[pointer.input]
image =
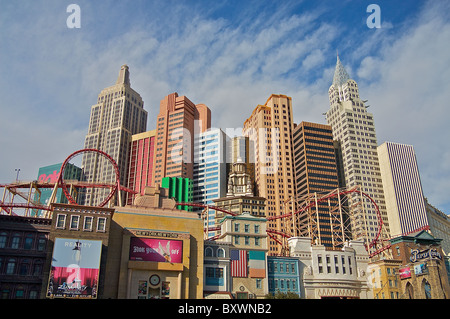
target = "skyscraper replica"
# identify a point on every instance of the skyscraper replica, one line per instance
(177, 123)
(353, 127)
(316, 175)
(140, 172)
(402, 188)
(270, 128)
(118, 114)
(209, 182)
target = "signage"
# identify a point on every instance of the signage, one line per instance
(420, 269)
(405, 273)
(417, 255)
(155, 249)
(75, 268)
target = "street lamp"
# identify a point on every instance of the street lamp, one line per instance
(17, 176)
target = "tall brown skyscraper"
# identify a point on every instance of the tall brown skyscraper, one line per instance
(270, 129)
(177, 123)
(316, 175)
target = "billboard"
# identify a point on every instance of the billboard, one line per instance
(420, 269)
(75, 268)
(405, 273)
(155, 249)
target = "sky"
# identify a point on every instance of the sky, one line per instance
(229, 55)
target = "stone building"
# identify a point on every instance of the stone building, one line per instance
(422, 272)
(155, 250)
(331, 273)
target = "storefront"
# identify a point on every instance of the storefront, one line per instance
(155, 265)
(155, 251)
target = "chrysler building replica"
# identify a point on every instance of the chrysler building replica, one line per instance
(353, 127)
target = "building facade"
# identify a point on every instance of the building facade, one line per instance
(142, 153)
(269, 129)
(209, 175)
(118, 114)
(77, 252)
(353, 127)
(240, 197)
(316, 175)
(283, 275)
(23, 252)
(50, 174)
(439, 224)
(248, 254)
(217, 270)
(384, 278)
(155, 250)
(178, 121)
(403, 194)
(422, 271)
(179, 189)
(331, 273)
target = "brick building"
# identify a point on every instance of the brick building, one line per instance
(422, 272)
(23, 243)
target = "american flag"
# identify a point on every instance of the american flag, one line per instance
(238, 263)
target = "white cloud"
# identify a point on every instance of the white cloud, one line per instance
(56, 74)
(409, 98)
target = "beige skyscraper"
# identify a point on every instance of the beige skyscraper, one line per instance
(118, 114)
(270, 128)
(353, 127)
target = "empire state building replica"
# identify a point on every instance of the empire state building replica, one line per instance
(118, 114)
(353, 127)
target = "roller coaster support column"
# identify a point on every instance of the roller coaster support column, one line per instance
(318, 222)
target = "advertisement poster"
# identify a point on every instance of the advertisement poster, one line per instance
(405, 273)
(420, 269)
(75, 268)
(155, 249)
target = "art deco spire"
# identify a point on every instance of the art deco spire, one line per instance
(124, 75)
(340, 75)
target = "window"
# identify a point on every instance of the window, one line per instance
(28, 241)
(236, 227)
(220, 252)
(41, 243)
(74, 221)
(208, 252)
(61, 221)
(24, 267)
(11, 266)
(15, 241)
(246, 228)
(256, 229)
(3, 238)
(101, 224)
(88, 223)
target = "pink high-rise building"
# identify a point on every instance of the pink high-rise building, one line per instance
(141, 163)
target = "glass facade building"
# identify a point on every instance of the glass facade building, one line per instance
(209, 180)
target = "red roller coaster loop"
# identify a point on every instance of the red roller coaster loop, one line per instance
(114, 187)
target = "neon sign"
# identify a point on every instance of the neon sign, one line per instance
(428, 253)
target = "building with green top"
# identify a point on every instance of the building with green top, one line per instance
(180, 189)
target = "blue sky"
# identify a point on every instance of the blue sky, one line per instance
(230, 55)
